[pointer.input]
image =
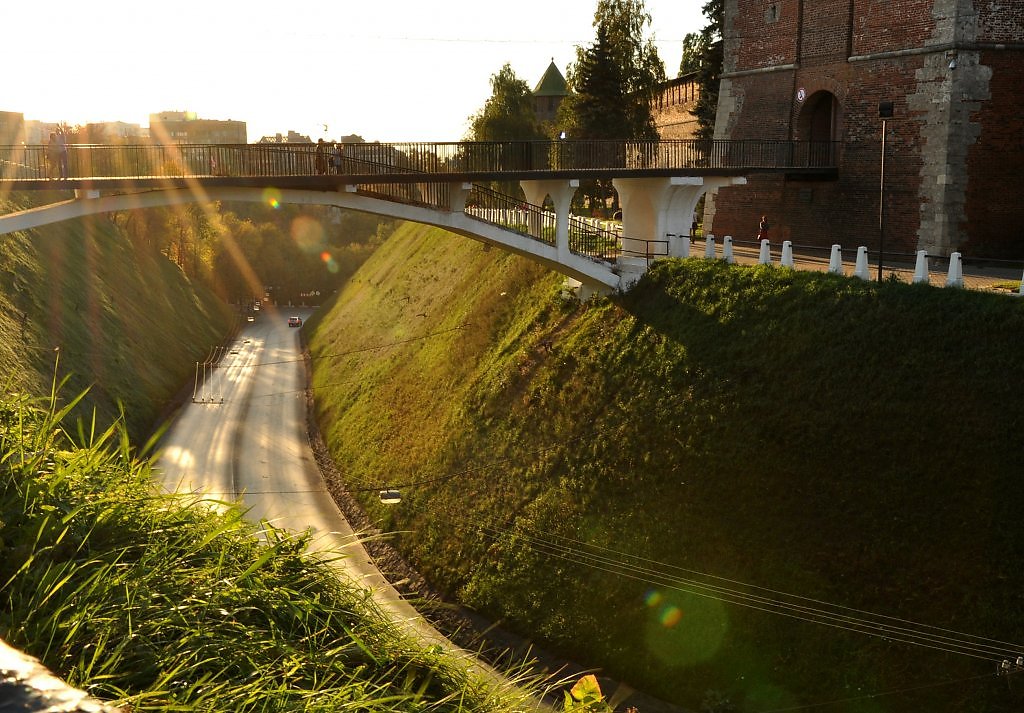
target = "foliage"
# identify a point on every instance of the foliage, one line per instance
(712, 57)
(507, 115)
(693, 53)
(136, 597)
(614, 81)
(612, 85)
(809, 433)
(118, 315)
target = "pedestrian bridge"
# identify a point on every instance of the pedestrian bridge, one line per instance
(442, 184)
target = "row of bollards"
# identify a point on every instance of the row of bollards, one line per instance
(954, 277)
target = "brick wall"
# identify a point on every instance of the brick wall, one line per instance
(953, 147)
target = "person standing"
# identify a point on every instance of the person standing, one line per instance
(762, 229)
(321, 158)
(52, 156)
(338, 151)
(62, 152)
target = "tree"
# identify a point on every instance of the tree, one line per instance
(693, 53)
(508, 114)
(710, 70)
(616, 78)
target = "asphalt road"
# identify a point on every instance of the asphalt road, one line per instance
(244, 439)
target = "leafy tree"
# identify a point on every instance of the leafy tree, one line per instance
(710, 69)
(614, 81)
(612, 84)
(508, 114)
(693, 53)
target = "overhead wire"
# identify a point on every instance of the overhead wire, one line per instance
(964, 644)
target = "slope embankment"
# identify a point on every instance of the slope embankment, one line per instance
(79, 300)
(732, 486)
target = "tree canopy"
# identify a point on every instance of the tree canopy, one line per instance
(614, 80)
(508, 114)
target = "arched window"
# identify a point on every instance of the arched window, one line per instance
(819, 122)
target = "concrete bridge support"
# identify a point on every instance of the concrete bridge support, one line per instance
(657, 213)
(561, 192)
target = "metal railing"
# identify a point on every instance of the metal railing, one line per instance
(511, 213)
(34, 162)
(593, 241)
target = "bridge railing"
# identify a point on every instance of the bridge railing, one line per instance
(149, 160)
(511, 213)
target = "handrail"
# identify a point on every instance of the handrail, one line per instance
(437, 159)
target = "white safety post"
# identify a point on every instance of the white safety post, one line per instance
(1021, 292)
(787, 254)
(765, 258)
(921, 268)
(861, 269)
(709, 247)
(727, 250)
(684, 246)
(955, 278)
(835, 260)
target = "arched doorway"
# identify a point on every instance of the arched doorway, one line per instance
(819, 121)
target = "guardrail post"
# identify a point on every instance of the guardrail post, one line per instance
(861, 269)
(955, 278)
(727, 250)
(787, 254)
(765, 256)
(709, 247)
(835, 260)
(921, 267)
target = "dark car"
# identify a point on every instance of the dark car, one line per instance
(295, 321)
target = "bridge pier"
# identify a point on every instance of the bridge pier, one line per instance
(561, 192)
(658, 212)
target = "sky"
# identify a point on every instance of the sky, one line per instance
(386, 70)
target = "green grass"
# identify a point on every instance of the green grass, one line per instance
(127, 322)
(836, 439)
(159, 603)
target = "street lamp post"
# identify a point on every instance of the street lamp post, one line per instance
(885, 113)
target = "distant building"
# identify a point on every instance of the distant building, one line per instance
(184, 127)
(292, 137)
(549, 93)
(102, 132)
(673, 108)
(12, 128)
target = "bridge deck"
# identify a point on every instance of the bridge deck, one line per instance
(111, 167)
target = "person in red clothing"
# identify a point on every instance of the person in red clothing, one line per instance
(762, 229)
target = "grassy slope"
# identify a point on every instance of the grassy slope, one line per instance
(137, 598)
(128, 323)
(803, 432)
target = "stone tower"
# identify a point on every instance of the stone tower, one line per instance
(952, 72)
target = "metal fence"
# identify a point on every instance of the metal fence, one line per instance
(34, 162)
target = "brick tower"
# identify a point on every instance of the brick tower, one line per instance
(952, 72)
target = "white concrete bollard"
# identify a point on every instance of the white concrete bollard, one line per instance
(709, 247)
(835, 260)
(861, 269)
(921, 268)
(684, 246)
(1022, 285)
(765, 258)
(727, 250)
(955, 278)
(787, 253)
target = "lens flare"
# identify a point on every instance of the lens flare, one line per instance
(671, 616)
(329, 261)
(272, 197)
(652, 598)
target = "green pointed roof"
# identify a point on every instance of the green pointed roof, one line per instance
(552, 84)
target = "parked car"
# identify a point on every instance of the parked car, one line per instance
(295, 321)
